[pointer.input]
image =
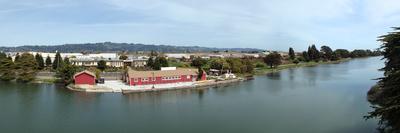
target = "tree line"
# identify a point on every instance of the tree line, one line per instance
(325, 53)
(25, 66)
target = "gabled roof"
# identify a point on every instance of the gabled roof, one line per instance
(87, 72)
(165, 73)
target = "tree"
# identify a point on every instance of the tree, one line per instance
(16, 58)
(66, 73)
(102, 65)
(342, 53)
(248, 66)
(7, 66)
(57, 61)
(313, 53)
(235, 65)
(39, 61)
(150, 62)
(388, 109)
(358, 53)
(3, 55)
(200, 75)
(160, 62)
(292, 55)
(198, 62)
(296, 61)
(66, 61)
(123, 57)
(26, 67)
(273, 60)
(219, 64)
(153, 53)
(48, 61)
(327, 53)
(306, 56)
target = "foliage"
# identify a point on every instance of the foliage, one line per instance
(305, 56)
(248, 66)
(292, 55)
(150, 62)
(66, 73)
(66, 61)
(158, 63)
(198, 62)
(358, 53)
(200, 75)
(273, 60)
(3, 55)
(123, 57)
(176, 63)
(39, 61)
(102, 65)
(313, 53)
(26, 66)
(260, 64)
(7, 71)
(327, 53)
(57, 61)
(296, 61)
(219, 64)
(48, 61)
(342, 53)
(388, 110)
(16, 58)
(235, 65)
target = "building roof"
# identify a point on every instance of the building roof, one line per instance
(165, 73)
(87, 72)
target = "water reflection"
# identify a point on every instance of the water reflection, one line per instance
(325, 98)
(274, 75)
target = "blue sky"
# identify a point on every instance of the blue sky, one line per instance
(264, 24)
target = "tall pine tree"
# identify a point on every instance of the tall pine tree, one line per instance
(48, 61)
(58, 61)
(292, 55)
(26, 67)
(388, 108)
(7, 71)
(39, 61)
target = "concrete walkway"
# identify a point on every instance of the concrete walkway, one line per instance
(118, 86)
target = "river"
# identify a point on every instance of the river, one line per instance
(327, 98)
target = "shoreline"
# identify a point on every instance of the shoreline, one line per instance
(266, 70)
(198, 84)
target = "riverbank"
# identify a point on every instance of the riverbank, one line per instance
(265, 70)
(119, 87)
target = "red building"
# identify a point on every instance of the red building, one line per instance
(85, 78)
(161, 77)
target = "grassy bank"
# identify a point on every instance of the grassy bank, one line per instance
(264, 70)
(47, 80)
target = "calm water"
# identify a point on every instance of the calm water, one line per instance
(322, 99)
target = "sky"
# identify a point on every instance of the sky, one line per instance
(263, 24)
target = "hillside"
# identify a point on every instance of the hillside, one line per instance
(118, 47)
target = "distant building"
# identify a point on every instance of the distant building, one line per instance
(177, 55)
(89, 62)
(85, 78)
(165, 76)
(136, 61)
(92, 61)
